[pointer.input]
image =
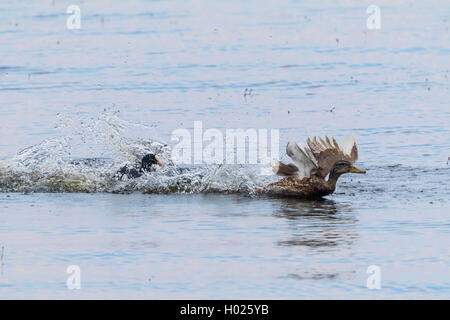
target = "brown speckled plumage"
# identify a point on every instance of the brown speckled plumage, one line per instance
(308, 188)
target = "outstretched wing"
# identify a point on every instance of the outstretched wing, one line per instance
(304, 163)
(327, 152)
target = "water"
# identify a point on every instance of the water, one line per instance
(135, 72)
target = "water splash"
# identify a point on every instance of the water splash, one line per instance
(53, 164)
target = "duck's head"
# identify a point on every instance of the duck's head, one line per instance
(149, 160)
(343, 166)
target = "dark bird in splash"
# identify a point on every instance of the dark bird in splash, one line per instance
(306, 178)
(148, 164)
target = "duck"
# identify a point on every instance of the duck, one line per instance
(148, 164)
(306, 178)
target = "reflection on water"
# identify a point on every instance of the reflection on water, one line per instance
(317, 227)
(291, 208)
(318, 224)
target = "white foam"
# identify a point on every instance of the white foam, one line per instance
(49, 166)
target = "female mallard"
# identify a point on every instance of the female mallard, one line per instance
(306, 178)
